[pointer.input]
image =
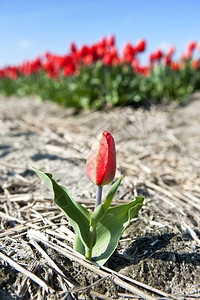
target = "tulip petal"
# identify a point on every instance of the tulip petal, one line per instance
(101, 162)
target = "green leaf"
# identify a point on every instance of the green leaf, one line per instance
(111, 227)
(101, 210)
(45, 177)
(77, 215)
(109, 222)
(78, 245)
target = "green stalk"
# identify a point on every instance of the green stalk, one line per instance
(98, 195)
(88, 253)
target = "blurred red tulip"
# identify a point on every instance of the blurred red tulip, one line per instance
(171, 50)
(103, 42)
(47, 66)
(111, 40)
(128, 52)
(82, 51)
(167, 60)
(87, 59)
(155, 56)
(168, 56)
(191, 46)
(159, 54)
(140, 46)
(195, 64)
(189, 49)
(107, 59)
(68, 69)
(11, 72)
(101, 162)
(100, 51)
(73, 47)
(1, 73)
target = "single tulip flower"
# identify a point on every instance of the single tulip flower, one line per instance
(140, 46)
(101, 162)
(97, 233)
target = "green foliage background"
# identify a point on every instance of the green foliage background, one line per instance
(97, 86)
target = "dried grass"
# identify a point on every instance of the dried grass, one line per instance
(158, 151)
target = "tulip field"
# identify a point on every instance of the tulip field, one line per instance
(98, 75)
(101, 200)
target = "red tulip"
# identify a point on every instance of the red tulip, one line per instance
(1, 73)
(68, 69)
(87, 59)
(107, 59)
(159, 54)
(167, 60)
(73, 47)
(191, 46)
(101, 162)
(155, 56)
(195, 64)
(140, 46)
(111, 40)
(11, 72)
(171, 50)
(100, 51)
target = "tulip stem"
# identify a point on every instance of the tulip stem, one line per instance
(98, 196)
(88, 253)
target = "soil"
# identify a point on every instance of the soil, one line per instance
(158, 152)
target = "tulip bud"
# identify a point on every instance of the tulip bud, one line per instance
(101, 162)
(140, 46)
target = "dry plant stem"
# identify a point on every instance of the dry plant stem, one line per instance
(98, 195)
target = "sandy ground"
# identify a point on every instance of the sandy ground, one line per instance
(158, 152)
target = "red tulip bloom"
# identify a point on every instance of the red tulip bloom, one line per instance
(191, 46)
(155, 56)
(87, 59)
(107, 59)
(140, 46)
(11, 72)
(1, 73)
(128, 52)
(159, 54)
(111, 40)
(189, 49)
(100, 51)
(175, 66)
(167, 60)
(84, 50)
(195, 64)
(171, 50)
(47, 66)
(68, 69)
(103, 42)
(73, 47)
(101, 162)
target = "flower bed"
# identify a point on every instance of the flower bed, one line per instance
(97, 75)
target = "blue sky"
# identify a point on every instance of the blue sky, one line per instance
(28, 28)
